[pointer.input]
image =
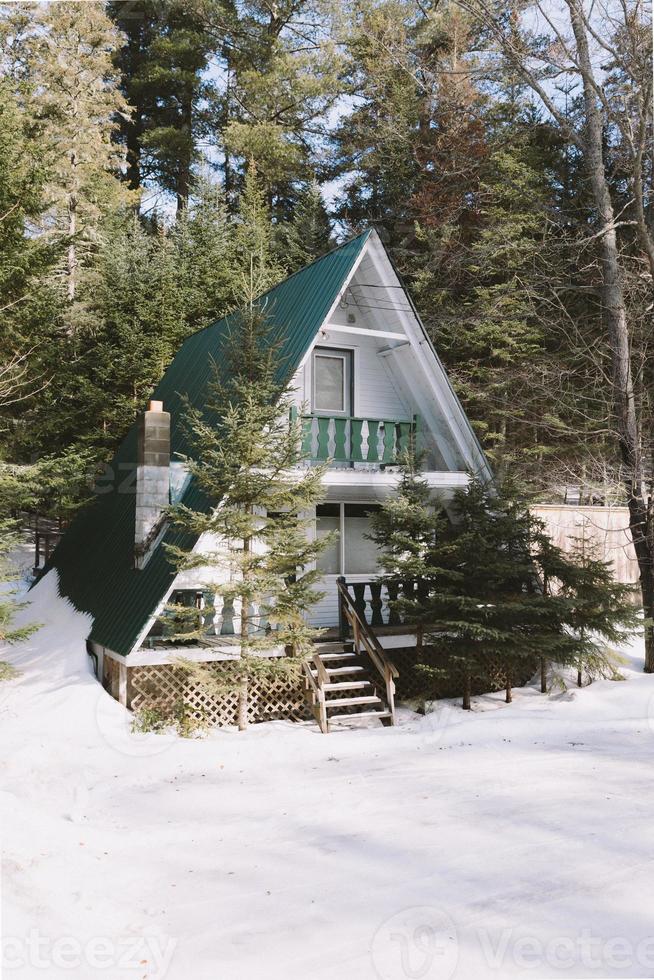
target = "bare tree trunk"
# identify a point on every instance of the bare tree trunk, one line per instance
(466, 691)
(72, 232)
(615, 318)
(644, 234)
(242, 720)
(183, 188)
(243, 693)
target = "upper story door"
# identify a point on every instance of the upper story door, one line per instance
(333, 382)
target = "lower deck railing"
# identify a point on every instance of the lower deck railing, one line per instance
(366, 643)
(375, 601)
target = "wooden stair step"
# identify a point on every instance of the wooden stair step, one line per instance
(359, 714)
(329, 648)
(364, 699)
(337, 656)
(346, 686)
(354, 669)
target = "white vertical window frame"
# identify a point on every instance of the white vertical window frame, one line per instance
(349, 393)
(341, 538)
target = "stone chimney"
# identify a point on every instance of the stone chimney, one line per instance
(152, 479)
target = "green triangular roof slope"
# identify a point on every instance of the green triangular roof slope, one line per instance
(95, 557)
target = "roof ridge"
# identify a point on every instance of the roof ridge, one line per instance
(331, 251)
(297, 272)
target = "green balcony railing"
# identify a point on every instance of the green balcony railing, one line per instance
(356, 440)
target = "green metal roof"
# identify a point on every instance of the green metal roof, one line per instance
(95, 557)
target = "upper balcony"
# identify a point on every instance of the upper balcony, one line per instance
(347, 440)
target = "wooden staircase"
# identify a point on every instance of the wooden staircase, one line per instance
(351, 680)
(341, 686)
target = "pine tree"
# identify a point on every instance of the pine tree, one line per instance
(278, 95)
(163, 68)
(375, 144)
(308, 235)
(497, 592)
(244, 451)
(405, 530)
(77, 101)
(26, 261)
(254, 244)
(600, 611)
(149, 287)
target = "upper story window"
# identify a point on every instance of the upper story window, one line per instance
(332, 381)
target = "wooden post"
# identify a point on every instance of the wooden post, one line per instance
(509, 692)
(323, 720)
(390, 692)
(543, 676)
(122, 684)
(342, 619)
(414, 434)
(466, 691)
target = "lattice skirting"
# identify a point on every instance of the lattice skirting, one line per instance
(166, 687)
(412, 683)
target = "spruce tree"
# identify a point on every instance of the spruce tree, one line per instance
(254, 246)
(163, 75)
(599, 610)
(480, 607)
(405, 530)
(494, 592)
(308, 235)
(246, 442)
(77, 103)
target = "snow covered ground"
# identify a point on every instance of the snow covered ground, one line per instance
(515, 840)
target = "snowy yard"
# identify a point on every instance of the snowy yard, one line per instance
(512, 841)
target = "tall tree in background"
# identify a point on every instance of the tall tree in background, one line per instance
(570, 50)
(309, 234)
(163, 68)
(76, 100)
(25, 261)
(375, 144)
(254, 243)
(283, 70)
(148, 289)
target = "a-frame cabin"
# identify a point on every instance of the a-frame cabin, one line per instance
(366, 376)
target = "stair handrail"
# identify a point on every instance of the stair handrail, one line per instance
(364, 637)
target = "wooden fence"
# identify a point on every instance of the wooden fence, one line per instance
(606, 529)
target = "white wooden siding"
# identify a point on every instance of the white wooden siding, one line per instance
(376, 392)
